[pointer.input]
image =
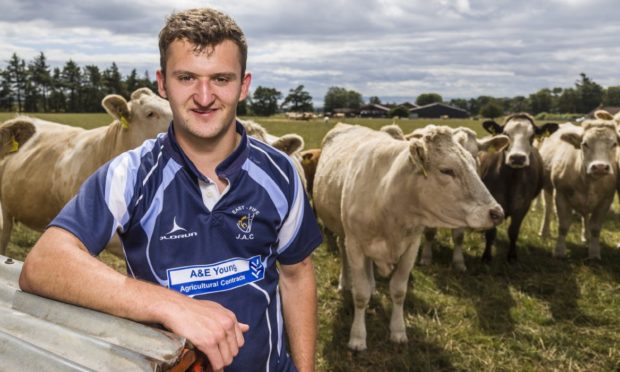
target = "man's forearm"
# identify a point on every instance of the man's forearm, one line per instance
(299, 301)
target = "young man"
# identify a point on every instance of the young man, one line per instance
(204, 213)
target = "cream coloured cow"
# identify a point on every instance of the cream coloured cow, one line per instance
(580, 166)
(378, 193)
(465, 137)
(38, 180)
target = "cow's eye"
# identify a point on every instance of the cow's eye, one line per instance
(447, 172)
(585, 145)
(150, 114)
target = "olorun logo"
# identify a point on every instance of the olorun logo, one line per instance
(170, 235)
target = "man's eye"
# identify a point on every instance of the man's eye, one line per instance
(221, 80)
(185, 78)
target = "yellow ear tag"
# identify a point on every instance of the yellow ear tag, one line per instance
(424, 171)
(124, 123)
(14, 145)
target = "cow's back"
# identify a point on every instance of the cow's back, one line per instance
(30, 178)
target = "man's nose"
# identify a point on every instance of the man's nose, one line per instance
(203, 95)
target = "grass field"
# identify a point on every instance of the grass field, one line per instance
(539, 314)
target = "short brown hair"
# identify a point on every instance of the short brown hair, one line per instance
(203, 27)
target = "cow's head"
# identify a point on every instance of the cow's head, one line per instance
(144, 116)
(521, 130)
(597, 139)
(450, 183)
(13, 134)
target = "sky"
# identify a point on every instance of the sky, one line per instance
(393, 49)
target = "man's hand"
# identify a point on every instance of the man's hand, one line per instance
(209, 326)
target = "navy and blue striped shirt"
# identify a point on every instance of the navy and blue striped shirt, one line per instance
(223, 248)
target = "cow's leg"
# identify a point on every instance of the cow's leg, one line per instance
(488, 249)
(544, 227)
(362, 289)
(458, 261)
(7, 227)
(564, 220)
(344, 280)
(427, 248)
(585, 228)
(398, 289)
(513, 234)
(595, 225)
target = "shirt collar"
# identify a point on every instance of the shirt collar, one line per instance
(226, 169)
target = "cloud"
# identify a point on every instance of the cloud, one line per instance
(390, 48)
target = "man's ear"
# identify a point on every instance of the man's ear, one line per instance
(161, 83)
(245, 86)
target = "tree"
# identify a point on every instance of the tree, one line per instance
(265, 101)
(39, 73)
(460, 103)
(57, 100)
(132, 82)
(428, 98)
(6, 100)
(374, 100)
(518, 104)
(337, 97)
(492, 109)
(15, 74)
(568, 102)
(113, 81)
(298, 100)
(400, 111)
(540, 101)
(92, 89)
(612, 96)
(71, 79)
(589, 92)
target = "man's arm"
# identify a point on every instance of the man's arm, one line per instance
(298, 289)
(60, 267)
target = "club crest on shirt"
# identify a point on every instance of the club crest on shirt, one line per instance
(244, 223)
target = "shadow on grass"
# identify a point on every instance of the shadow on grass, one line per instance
(382, 355)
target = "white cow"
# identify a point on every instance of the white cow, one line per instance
(465, 137)
(580, 166)
(38, 180)
(378, 193)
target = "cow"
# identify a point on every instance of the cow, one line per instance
(514, 176)
(377, 194)
(309, 161)
(580, 164)
(465, 137)
(39, 179)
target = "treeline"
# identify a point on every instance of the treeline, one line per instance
(35, 87)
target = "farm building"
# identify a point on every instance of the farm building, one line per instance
(611, 109)
(438, 110)
(374, 110)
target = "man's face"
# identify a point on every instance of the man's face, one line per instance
(203, 89)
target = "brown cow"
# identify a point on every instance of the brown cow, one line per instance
(514, 176)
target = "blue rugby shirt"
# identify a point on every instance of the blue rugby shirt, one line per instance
(155, 198)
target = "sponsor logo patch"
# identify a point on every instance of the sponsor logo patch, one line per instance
(177, 232)
(221, 276)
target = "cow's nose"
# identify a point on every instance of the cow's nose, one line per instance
(600, 168)
(517, 160)
(497, 215)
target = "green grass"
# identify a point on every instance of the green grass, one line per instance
(539, 314)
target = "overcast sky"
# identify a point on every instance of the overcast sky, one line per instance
(394, 49)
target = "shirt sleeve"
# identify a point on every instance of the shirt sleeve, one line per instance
(101, 206)
(300, 233)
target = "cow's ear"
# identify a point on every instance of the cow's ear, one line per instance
(492, 127)
(289, 143)
(418, 154)
(117, 106)
(546, 129)
(603, 115)
(573, 137)
(14, 134)
(494, 143)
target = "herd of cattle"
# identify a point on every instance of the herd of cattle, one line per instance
(377, 193)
